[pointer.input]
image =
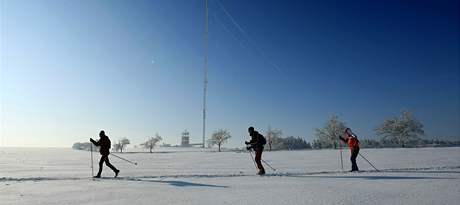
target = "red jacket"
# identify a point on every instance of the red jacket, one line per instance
(352, 142)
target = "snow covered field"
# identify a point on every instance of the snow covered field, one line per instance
(190, 176)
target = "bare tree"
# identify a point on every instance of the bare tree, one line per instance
(402, 129)
(273, 136)
(328, 135)
(219, 137)
(121, 144)
(151, 142)
(116, 146)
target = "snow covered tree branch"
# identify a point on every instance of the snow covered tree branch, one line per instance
(401, 130)
(121, 144)
(273, 135)
(328, 135)
(151, 142)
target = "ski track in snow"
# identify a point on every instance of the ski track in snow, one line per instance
(443, 169)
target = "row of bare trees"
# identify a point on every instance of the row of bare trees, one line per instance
(149, 144)
(399, 130)
(219, 137)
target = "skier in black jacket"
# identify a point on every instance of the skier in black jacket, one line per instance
(257, 144)
(104, 143)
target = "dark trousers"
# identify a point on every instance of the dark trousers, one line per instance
(354, 155)
(105, 158)
(258, 158)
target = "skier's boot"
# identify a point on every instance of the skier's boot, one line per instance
(261, 172)
(97, 176)
(116, 173)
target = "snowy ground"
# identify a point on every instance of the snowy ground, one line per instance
(190, 176)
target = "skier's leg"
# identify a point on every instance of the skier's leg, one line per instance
(354, 155)
(352, 159)
(101, 163)
(107, 162)
(258, 159)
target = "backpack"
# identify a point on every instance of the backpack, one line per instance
(262, 139)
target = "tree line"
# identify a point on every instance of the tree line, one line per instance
(400, 131)
(121, 144)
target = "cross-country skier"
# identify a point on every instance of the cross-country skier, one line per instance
(257, 144)
(353, 142)
(104, 143)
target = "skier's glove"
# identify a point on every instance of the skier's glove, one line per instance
(246, 142)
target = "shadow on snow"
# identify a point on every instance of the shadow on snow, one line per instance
(178, 183)
(371, 177)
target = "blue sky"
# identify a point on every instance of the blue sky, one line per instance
(135, 68)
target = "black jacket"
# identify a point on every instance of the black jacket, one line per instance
(104, 143)
(256, 140)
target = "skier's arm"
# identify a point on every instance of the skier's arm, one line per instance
(253, 141)
(343, 139)
(94, 142)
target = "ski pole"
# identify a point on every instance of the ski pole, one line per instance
(262, 161)
(341, 156)
(92, 169)
(268, 165)
(250, 152)
(368, 162)
(135, 163)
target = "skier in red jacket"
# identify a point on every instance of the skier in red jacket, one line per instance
(353, 142)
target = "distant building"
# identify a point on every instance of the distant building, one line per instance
(185, 142)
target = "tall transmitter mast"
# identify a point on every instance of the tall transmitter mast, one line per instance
(205, 89)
